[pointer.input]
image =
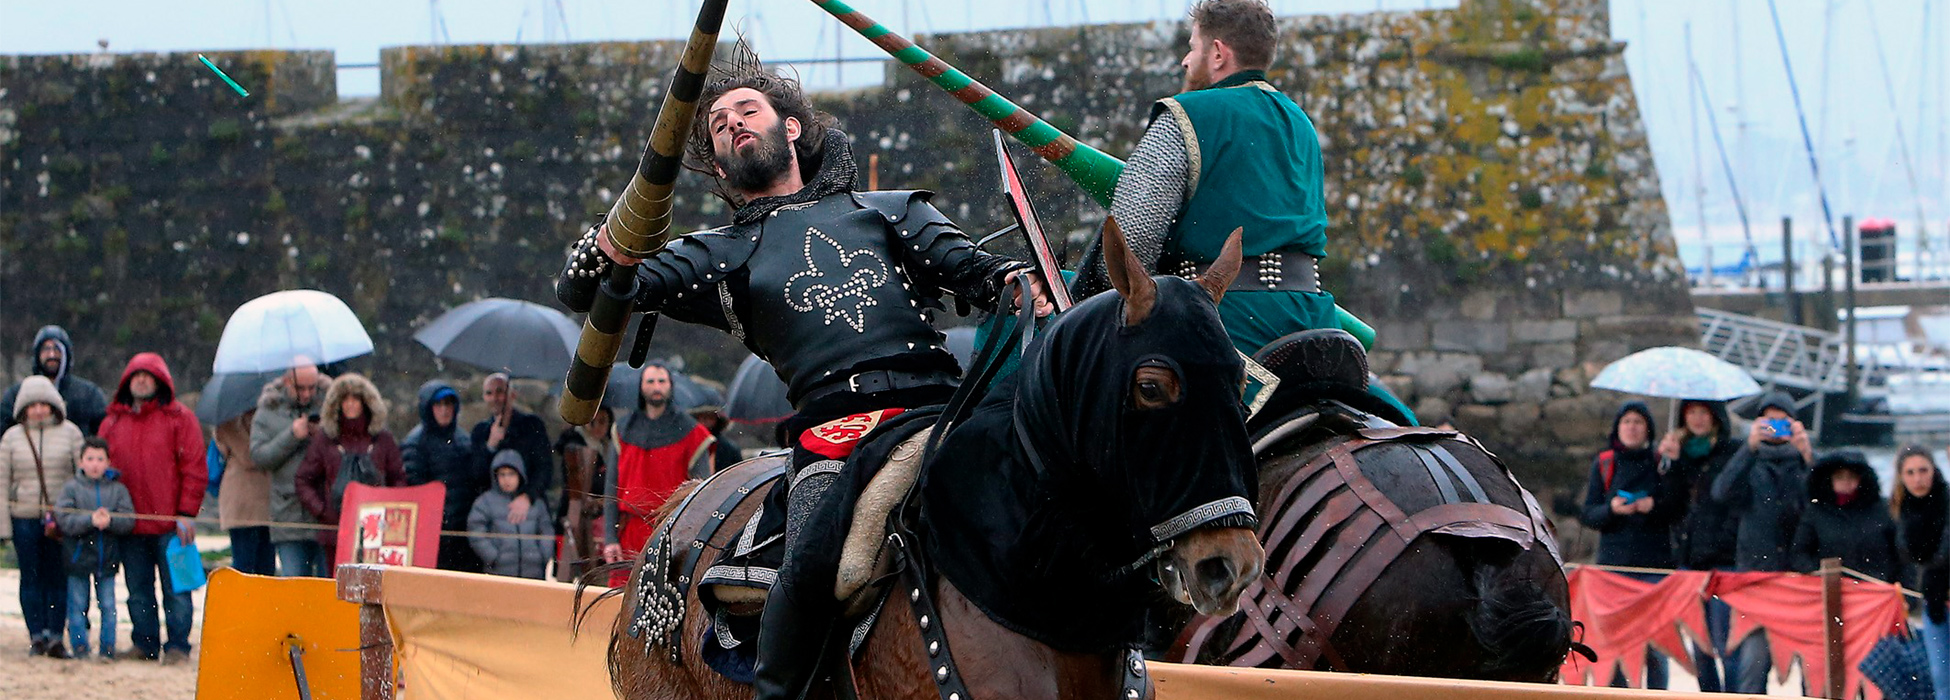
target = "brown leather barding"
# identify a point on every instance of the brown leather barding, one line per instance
(1329, 534)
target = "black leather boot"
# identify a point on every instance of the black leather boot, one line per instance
(799, 613)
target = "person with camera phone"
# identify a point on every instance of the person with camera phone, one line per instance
(1766, 487)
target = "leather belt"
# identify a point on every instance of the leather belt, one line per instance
(877, 381)
(1281, 271)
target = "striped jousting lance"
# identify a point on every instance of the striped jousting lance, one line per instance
(639, 223)
(1093, 170)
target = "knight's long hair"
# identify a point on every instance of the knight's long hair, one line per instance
(741, 68)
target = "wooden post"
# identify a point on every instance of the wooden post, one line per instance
(873, 171)
(362, 584)
(1852, 262)
(1831, 614)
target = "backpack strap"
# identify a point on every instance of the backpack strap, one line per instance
(1607, 466)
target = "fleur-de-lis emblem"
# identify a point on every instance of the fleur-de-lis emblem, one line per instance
(843, 294)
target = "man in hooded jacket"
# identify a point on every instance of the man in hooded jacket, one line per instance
(1765, 485)
(158, 446)
(435, 450)
(54, 359)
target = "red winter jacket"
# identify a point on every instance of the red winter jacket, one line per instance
(158, 447)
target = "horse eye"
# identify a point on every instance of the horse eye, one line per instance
(1150, 391)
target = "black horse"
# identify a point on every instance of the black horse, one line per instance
(1113, 465)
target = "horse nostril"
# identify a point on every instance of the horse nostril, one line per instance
(1216, 573)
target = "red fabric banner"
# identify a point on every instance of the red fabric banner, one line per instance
(1622, 615)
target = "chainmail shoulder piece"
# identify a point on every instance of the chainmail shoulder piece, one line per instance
(1149, 195)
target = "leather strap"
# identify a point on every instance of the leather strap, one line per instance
(662, 597)
(877, 381)
(1277, 271)
(934, 636)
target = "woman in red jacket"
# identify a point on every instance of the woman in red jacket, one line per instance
(353, 446)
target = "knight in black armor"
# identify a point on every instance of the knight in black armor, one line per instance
(833, 286)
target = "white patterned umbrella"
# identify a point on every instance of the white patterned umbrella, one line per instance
(1677, 373)
(266, 333)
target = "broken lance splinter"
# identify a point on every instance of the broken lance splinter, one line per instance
(1093, 170)
(639, 223)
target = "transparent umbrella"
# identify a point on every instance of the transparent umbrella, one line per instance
(267, 333)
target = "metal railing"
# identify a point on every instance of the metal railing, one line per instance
(1775, 353)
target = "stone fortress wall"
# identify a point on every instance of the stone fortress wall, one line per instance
(1495, 207)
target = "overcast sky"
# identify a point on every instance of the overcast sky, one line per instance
(1844, 89)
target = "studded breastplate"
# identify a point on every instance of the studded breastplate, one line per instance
(827, 292)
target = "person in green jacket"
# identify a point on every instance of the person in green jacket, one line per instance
(1231, 152)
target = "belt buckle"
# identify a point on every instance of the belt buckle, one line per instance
(853, 383)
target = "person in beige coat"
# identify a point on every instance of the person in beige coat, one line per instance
(37, 457)
(243, 498)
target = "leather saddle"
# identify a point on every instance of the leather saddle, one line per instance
(1317, 365)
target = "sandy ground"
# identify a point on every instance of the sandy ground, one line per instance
(24, 677)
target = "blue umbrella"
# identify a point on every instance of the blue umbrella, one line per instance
(1677, 373)
(521, 338)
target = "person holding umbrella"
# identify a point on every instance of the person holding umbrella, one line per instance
(510, 428)
(1704, 539)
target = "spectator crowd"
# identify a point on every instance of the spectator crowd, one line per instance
(1709, 496)
(101, 485)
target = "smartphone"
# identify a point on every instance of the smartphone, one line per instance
(1782, 427)
(313, 418)
(1629, 496)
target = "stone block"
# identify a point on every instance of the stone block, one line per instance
(1533, 386)
(1491, 389)
(1519, 418)
(1431, 409)
(1592, 303)
(1401, 385)
(1554, 331)
(1578, 418)
(1382, 361)
(1554, 355)
(1475, 419)
(1604, 352)
(1470, 336)
(1438, 381)
(1401, 335)
(1480, 306)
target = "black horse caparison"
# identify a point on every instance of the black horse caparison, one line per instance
(1113, 464)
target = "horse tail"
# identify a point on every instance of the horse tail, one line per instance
(1524, 634)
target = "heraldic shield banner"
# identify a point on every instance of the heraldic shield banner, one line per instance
(391, 526)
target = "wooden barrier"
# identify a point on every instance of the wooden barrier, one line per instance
(439, 634)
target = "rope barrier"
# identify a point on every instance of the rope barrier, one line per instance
(237, 523)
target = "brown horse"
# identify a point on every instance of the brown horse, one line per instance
(1398, 551)
(1113, 464)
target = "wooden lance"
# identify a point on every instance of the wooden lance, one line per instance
(639, 223)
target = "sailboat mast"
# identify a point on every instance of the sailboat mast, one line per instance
(1699, 172)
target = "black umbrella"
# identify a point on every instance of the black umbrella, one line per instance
(228, 396)
(686, 393)
(504, 335)
(756, 394)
